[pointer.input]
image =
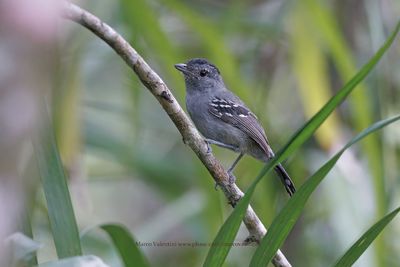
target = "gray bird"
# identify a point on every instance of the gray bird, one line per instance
(223, 119)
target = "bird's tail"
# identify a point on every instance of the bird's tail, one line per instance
(285, 178)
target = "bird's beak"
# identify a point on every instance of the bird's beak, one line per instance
(182, 68)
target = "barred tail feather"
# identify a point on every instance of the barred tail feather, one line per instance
(285, 178)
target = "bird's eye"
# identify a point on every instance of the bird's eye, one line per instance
(203, 72)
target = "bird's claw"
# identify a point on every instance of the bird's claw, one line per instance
(250, 239)
(232, 177)
(233, 200)
(231, 180)
(209, 149)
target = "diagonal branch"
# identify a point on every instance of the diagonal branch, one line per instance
(188, 131)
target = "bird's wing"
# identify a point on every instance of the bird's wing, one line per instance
(238, 115)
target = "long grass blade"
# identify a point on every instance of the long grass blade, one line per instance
(54, 181)
(126, 245)
(358, 248)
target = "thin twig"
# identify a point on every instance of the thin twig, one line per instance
(188, 131)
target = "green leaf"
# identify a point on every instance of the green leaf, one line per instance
(215, 257)
(284, 222)
(81, 261)
(358, 248)
(54, 181)
(125, 244)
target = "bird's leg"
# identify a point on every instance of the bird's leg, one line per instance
(235, 162)
(210, 141)
(232, 178)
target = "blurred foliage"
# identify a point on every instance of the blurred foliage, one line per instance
(127, 163)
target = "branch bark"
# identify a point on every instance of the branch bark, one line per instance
(190, 135)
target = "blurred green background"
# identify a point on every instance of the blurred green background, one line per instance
(127, 163)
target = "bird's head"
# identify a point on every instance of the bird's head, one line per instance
(200, 75)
